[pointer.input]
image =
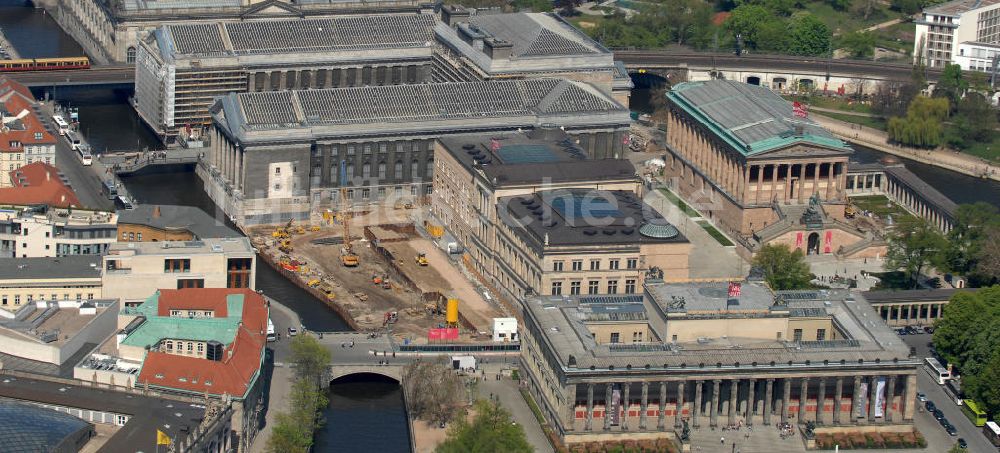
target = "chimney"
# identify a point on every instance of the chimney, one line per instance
(452, 15)
(156, 211)
(498, 49)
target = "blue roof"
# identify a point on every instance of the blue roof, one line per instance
(30, 428)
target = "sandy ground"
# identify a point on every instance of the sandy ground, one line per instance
(323, 262)
(427, 437)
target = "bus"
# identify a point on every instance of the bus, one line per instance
(83, 151)
(74, 140)
(109, 189)
(992, 432)
(975, 413)
(61, 125)
(939, 373)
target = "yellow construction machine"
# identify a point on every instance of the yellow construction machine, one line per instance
(421, 259)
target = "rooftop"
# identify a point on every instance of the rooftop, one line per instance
(49, 322)
(958, 7)
(283, 36)
(65, 217)
(147, 414)
(236, 246)
(177, 218)
(561, 320)
(710, 298)
(399, 108)
(237, 6)
(533, 157)
(39, 183)
(28, 427)
(914, 295)
(750, 118)
(21, 125)
(535, 34)
(66, 267)
(566, 217)
(239, 323)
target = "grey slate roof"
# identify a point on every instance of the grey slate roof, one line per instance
(535, 34)
(75, 266)
(751, 118)
(302, 35)
(410, 103)
(173, 217)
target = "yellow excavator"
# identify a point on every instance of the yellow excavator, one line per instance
(421, 259)
(282, 232)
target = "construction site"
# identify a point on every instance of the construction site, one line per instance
(393, 276)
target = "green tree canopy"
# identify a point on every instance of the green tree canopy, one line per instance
(858, 44)
(914, 244)
(433, 390)
(747, 21)
(923, 125)
(951, 85)
(492, 430)
(969, 337)
(809, 36)
(783, 268)
(310, 358)
(293, 430)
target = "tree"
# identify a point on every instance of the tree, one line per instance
(433, 390)
(840, 5)
(492, 430)
(809, 36)
(908, 7)
(951, 85)
(891, 98)
(988, 258)
(923, 125)
(858, 44)
(310, 358)
(975, 120)
(969, 338)
(914, 244)
(783, 268)
(747, 20)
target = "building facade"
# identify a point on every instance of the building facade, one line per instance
(109, 31)
(278, 155)
(689, 355)
(160, 223)
(68, 278)
(483, 182)
(958, 32)
(738, 153)
(23, 137)
(490, 46)
(181, 69)
(40, 231)
(129, 269)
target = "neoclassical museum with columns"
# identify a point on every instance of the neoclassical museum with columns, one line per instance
(642, 366)
(740, 155)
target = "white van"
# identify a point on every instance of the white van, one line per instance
(271, 336)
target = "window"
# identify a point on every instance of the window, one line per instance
(797, 335)
(612, 286)
(630, 286)
(577, 265)
(557, 266)
(17, 299)
(615, 337)
(613, 265)
(277, 170)
(138, 236)
(190, 283)
(38, 135)
(595, 265)
(3, 300)
(201, 348)
(632, 263)
(557, 288)
(177, 265)
(169, 345)
(130, 55)
(238, 272)
(593, 287)
(574, 288)
(190, 346)
(820, 334)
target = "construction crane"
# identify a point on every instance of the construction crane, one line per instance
(347, 256)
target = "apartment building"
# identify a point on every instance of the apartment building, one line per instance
(27, 280)
(42, 231)
(130, 269)
(23, 137)
(962, 32)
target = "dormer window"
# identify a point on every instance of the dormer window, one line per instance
(38, 135)
(15, 144)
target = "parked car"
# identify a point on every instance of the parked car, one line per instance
(951, 430)
(921, 397)
(939, 415)
(929, 329)
(930, 406)
(902, 332)
(962, 443)
(292, 332)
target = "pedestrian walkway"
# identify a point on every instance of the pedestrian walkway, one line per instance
(506, 391)
(762, 439)
(944, 158)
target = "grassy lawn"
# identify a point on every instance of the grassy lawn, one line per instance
(988, 151)
(584, 22)
(687, 210)
(834, 103)
(868, 121)
(880, 205)
(718, 236)
(898, 37)
(847, 21)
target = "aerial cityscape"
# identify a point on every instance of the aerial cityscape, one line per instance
(485, 226)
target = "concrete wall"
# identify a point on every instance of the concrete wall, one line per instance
(689, 330)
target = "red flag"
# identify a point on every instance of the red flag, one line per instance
(494, 144)
(625, 139)
(800, 110)
(734, 289)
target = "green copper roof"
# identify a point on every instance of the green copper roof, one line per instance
(750, 118)
(157, 328)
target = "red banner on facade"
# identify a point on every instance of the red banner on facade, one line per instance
(442, 334)
(828, 242)
(798, 239)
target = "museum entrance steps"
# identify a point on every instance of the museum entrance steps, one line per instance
(762, 439)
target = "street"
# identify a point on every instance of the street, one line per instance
(925, 421)
(83, 180)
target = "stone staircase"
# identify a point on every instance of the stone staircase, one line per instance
(763, 439)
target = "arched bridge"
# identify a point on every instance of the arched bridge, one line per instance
(393, 371)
